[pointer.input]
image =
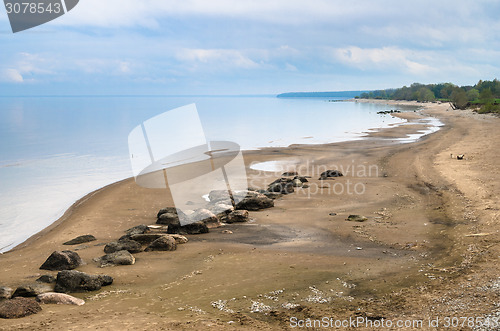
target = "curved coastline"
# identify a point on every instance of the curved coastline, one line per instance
(416, 238)
(370, 134)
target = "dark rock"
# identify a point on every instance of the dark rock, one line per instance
(290, 173)
(164, 243)
(125, 244)
(170, 216)
(330, 174)
(65, 260)
(168, 210)
(220, 209)
(238, 216)
(32, 290)
(5, 292)
(273, 195)
(356, 218)
(80, 240)
(139, 229)
(18, 307)
(116, 258)
(254, 203)
(76, 281)
(333, 214)
(302, 179)
(146, 238)
(48, 279)
(219, 195)
(282, 185)
(59, 299)
(203, 215)
(193, 228)
(179, 239)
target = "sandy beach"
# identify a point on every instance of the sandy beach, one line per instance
(428, 249)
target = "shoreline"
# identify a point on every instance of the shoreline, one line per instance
(415, 205)
(371, 133)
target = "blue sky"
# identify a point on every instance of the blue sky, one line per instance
(251, 47)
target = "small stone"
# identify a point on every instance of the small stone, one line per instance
(139, 229)
(126, 244)
(238, 216)
(65, 260)
(356, 218)
(18, 307)
(227, 231)
(333, 214)
(76, 281)
(59, 299)
(117, 258)
(81, 240)
(164, 243)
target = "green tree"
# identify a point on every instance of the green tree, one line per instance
(486, 96)
(472, 94)
(425, 95)
(459, 98)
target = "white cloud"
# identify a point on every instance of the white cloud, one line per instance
(218, 57)
(385, 58)
(12, 76)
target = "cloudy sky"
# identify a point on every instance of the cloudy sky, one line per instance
(251, 47)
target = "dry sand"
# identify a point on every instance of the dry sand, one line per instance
(429, 248)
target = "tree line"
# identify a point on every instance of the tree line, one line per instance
(484, 96)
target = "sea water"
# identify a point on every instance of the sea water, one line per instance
(54, 150)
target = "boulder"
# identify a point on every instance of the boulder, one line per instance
(139, 229)
(62, 260)
(32, 290)
(289, 173)
(179, 239)
(238, 216)
(203, 215)
(356, 218)
(125, 244)
(77, 281)
(80, 240)
(116, 258)
(48, 279)
(170, 215)
(59, 299)
(219, 195)
(303, 179)
(18, 307)
(5, 292)
(193, 228)
(281, 185)
(330, 174)
(164, 243)
(254, 203)
(297, 183)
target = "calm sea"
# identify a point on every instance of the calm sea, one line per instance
(54, 150)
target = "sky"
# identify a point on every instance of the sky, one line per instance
(223, 47)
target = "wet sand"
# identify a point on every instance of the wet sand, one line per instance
(415, 257)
